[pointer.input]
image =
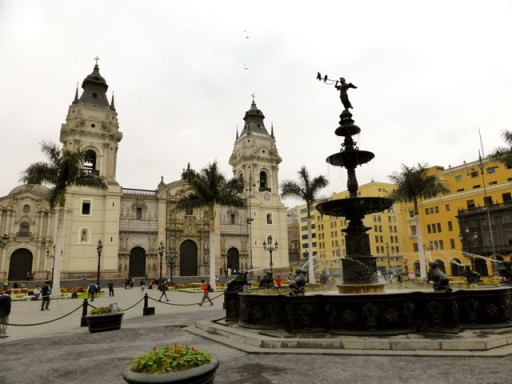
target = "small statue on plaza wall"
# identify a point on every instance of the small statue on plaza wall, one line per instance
(506, 272)
(298, 283)
(440, 280)
(238, 283)
(472, 277)
(267, 281)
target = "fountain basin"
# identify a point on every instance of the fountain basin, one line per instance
(361, 288)
(373, 313)
(354, 206)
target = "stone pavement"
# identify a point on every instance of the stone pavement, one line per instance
(63, 352)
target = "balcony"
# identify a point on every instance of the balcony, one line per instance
(138, 192)
(233, 229)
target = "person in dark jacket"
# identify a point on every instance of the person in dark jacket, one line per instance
(5, 310)
(162, 287)
(110, 288)
(92, 291)
(46, 291)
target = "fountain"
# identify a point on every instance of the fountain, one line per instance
(361, 306)
(359, 267)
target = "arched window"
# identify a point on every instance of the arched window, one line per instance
(90, 162)
(241, 183)
(24, 229)
(264, 181)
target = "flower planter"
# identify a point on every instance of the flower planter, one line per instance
(205, 374)
(104, 322)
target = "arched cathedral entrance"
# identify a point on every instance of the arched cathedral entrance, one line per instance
(137, 266)
(188, 258)
(20, 265)
(233, 259)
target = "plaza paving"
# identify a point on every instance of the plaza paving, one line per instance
(63, 352)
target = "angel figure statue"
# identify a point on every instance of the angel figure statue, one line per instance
(343, 87)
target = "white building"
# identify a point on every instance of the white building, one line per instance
(130, 222)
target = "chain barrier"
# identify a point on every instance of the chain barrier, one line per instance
(127, 309)
(46, 322)
(123, 309)
(92, 306)
(184, 305)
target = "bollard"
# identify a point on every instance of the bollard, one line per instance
(147, 310)
(83, 320)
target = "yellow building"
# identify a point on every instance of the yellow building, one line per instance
(386, 233)
(454, 226)
(478, 189)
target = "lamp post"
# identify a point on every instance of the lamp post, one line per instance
(99, 248)
(3, 243)
(172, 258)
(270, 247)
(161, 250)
(5, 240)
(249, 222)
(389, 260)
(50, 256)
(468, 241)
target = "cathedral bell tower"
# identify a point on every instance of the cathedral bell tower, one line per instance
(92, 126)
(92, 215)
(255, 161)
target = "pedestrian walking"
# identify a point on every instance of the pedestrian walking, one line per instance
(46, 292)
(126, 282)
(91, 291)
(5, 310)
(162, 287)
(206, 292)
(142, 285)
(110, 288)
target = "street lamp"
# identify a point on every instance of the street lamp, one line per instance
(50, 256)
(389, 261)
(469, 241)
(172, 258)
(270, 247)
(5, 240)
(161, 250)
(99, 248)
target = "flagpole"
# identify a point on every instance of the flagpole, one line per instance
(480, 161)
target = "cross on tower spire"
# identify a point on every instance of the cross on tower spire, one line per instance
(96, 58)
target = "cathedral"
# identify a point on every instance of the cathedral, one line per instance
(130, 232)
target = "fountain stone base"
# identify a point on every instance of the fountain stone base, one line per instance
(361, 288)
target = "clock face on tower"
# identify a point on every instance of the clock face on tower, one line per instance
(266, 196)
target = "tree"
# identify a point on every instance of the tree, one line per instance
(63, 170)
(414, 184)
(503, 154)
(209, 188)
(307, 190)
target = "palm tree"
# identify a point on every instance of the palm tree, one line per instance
(414, 184)
(307, 190)
(63, 169)
(209, 188)
(503, 154)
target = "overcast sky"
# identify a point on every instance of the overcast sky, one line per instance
(430, 75)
